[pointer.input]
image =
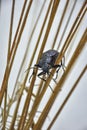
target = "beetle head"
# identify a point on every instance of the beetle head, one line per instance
(46, 67)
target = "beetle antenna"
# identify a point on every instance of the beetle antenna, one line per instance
(29, 68)
(63, 64)
(51, 89)
(53, 78)
(32, 68)
(31, 76)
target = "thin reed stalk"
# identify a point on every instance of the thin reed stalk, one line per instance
(24, 58)
(33, 97)
(67, 98)
(73, 7)
(25, 110)
(75, 26)
(7, 72)
(40, 99)
(60, 23)
(21, 30)
(49, 104)
(8, 59)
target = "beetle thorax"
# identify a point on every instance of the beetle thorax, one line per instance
(46, 67)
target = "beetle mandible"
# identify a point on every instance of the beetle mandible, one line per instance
(47, 62)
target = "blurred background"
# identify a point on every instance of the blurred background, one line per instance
(48, 24)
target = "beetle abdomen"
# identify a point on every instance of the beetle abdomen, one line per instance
(50, 53)
(49, 57)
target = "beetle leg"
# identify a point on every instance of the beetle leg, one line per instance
(42, 73)
(57, 66)
(52, 77)
(31, 75)
(51, 89)
(57, 72)
(63, 63)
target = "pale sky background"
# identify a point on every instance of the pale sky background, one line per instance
(74, 114)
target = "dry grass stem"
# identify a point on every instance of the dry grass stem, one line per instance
(28, 96)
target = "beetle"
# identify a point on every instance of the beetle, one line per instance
(47, 62)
